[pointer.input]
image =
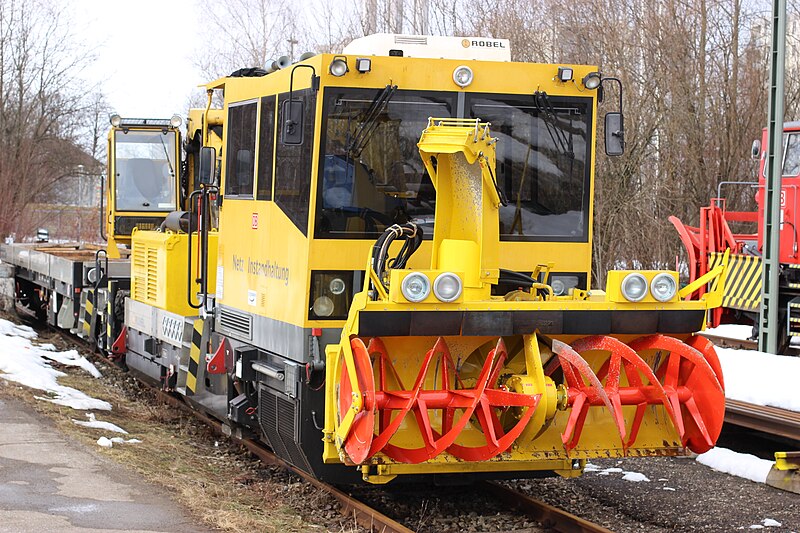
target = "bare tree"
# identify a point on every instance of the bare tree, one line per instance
(43, 111)
(246, 33)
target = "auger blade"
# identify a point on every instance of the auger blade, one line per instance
(692, 379)
(581, 396)
(624, 357)
(359, 437)
(458, 406)
(685, 384)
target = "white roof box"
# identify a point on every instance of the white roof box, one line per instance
(431, 46)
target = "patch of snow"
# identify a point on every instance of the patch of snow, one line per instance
(15, 330)
(737, 464)
(73, 358)
(731, 331)
(99, 424)
(769, 522)
(668, 488)
(627, 476)
(25, 363)
(635, 477)
(742, 369)
(105, 442)
(756, 526)
(663, 479)
(120, 440)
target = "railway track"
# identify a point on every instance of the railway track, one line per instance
(742, 344)
(550, 517)
(766, 419)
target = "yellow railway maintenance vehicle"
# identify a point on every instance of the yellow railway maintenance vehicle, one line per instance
(398, 284)
(385, 273)
(81, 286)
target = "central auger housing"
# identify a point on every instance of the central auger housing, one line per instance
(440, 371)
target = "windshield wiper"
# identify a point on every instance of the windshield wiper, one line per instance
(548, 113)
(166, 154)
(368, 125)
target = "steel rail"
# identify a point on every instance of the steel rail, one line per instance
(363, 514)
(771, 420)
(763, 418)
(744, 344)
(544, 513)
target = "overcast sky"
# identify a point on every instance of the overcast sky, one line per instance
(144, 53)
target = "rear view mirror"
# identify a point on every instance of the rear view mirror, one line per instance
(208, 159)
(755, 151)
(292, 122)
(615, 134)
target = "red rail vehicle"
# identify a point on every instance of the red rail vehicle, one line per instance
(706, 243)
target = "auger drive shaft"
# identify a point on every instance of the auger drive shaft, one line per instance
(425, 381)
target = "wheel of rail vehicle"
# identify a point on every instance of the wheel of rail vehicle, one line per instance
(31, 301)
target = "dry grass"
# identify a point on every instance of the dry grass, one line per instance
(216, 482)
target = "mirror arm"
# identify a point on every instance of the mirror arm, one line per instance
(619, 83)
(314, 85)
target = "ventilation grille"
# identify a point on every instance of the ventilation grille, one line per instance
(279, 419)
(406, 39)
(145, 273)
(236, 323)
(125, 225)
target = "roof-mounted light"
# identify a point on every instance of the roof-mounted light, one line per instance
(363, 65)
(564, 74)
(592, 80)
(338, 66)
(119, 122)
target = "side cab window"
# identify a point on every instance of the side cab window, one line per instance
(293, 161)
(240, 163)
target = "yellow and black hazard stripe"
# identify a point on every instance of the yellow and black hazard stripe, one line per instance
(195, 353)
(742, 281)
(88, 311)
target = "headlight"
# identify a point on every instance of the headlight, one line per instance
(337, 286)
(115, 120)
(330, 294)
(416, 287)
(176, 121)
(462, 76)
(323, 306)
(447, 287)
(559, 289)
(562, 283)
(634, 287)
(663, 287)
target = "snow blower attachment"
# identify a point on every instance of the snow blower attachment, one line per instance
(435, 374)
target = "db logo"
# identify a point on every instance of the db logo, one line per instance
(255, 221)
(465, 43)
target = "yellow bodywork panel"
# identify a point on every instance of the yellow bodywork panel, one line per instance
(160, 269)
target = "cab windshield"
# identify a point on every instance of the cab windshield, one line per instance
(371, 175)
(145, 170)
(543, 154)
